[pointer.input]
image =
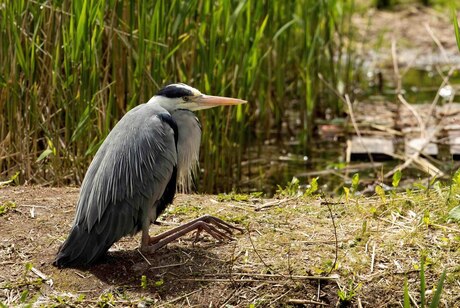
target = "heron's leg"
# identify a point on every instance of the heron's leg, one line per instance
(206, 218)
(145, 238)
(198, 225)
(207, 223)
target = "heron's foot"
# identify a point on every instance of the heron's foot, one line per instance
(216, 227)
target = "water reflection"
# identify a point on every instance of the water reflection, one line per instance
(281, 158)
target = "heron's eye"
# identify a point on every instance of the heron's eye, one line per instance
(186, 98)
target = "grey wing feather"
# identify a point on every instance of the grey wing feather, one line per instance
(127, 176)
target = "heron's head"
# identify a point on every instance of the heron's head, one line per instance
(182, 96)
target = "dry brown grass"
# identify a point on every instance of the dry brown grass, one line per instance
(271, 264)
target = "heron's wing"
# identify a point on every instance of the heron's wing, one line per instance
(130, 172)
(134, 169)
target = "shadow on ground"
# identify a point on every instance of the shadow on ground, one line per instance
(170, 272)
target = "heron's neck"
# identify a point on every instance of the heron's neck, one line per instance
(188, 148)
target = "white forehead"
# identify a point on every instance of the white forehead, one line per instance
(195, 92)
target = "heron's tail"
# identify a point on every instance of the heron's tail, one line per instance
(81, 248)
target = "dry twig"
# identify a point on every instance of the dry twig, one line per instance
(296, 301)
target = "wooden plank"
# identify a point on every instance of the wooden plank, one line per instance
(454, 141)
(413, 145)
(371, 144)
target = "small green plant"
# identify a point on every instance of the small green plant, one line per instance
(364, 229)
(14, 179)
(381, 193)
(396, 178)
(291, 189)
(159, 283)
(426, 218)
(354, 183)
(346, 295)
(312, 188)
(106, 300)
(7, 206)
(353, 188)
(325, 267)
(437, 187)
(64, 300)
(144, 282)
(346, 192)
(455, 185)
(24, 296)
(395, 183)
(437, 293)
(27, 268)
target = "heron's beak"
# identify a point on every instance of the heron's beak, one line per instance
(209, 101)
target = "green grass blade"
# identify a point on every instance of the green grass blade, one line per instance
(406, 295)
(437, 294)
(456, 27)
(77, 66)
(81, 25)
(422, 282)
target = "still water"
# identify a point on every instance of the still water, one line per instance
(280, 160)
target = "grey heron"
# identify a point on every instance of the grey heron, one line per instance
(152, 151)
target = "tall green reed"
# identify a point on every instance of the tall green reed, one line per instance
(71, 69)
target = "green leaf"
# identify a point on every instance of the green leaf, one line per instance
(455, 185)
(437, 186)
(291, 189)
(239, 113)
(456, 177)
(437, 294)
(454, 213)
(44, 155)
(355, 182)
(7, 206)
(14, 178)
(159, 283)
(380, 192)
(80, 129)
(81, 26)
(346, 191)
(364, 228)
(24, 296)
(144, 282)
(312, 188)
(396, 178)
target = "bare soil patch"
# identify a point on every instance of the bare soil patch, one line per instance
(378, 245)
